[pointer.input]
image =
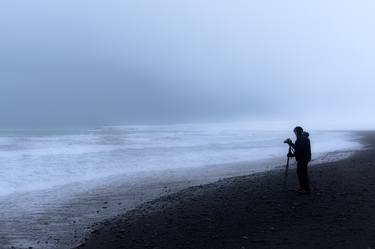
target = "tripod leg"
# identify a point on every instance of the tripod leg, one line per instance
(286, 172)
(287, 167)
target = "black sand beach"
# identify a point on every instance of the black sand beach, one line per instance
(258, 211)
(60, 217)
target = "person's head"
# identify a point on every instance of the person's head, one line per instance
(298, 131)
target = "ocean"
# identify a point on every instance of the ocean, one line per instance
(40, 159)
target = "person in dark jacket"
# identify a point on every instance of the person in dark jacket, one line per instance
(302, 153)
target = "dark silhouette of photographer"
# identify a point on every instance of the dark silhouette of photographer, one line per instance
(302, 153)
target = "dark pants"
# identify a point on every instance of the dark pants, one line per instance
(304, 182)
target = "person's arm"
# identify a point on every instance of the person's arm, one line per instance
(290, 143)
(308, 150)
(291, 147)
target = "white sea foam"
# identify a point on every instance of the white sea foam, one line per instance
(29, 161)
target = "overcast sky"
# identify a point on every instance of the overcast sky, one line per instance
(69, 62)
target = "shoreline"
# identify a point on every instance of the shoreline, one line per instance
(69, 213)
(220, 215)
(61, 216)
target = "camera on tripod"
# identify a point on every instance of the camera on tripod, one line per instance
(287, 141)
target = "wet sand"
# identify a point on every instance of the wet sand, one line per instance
(258, 211)
(62, 217)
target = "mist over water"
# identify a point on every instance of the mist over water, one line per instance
(94, 63)
(72, 63)
(32, 161)
(123, 101)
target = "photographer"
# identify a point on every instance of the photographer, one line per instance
(302, 153)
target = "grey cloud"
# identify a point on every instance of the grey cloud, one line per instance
(101, 62)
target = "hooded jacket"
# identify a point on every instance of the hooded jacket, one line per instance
(302, 148)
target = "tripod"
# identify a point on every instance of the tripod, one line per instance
(287, 166)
